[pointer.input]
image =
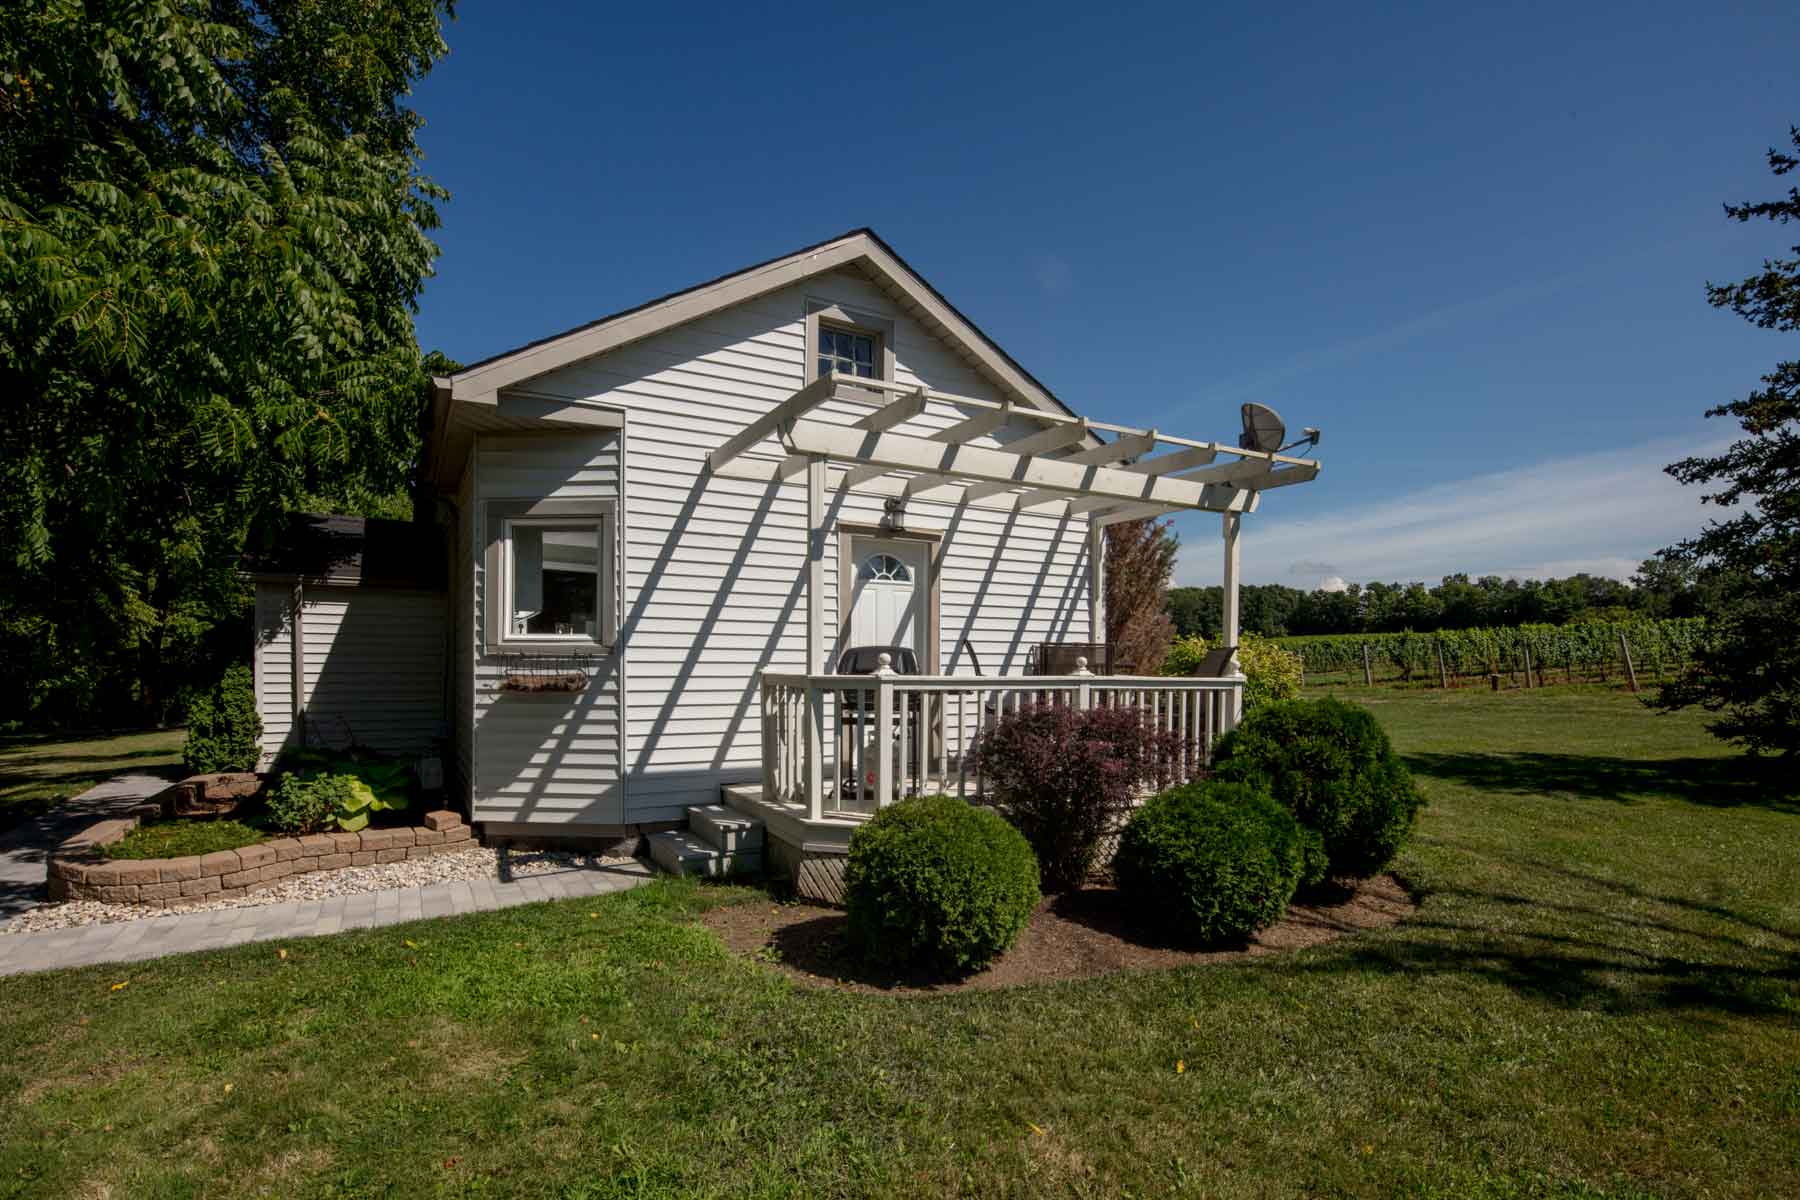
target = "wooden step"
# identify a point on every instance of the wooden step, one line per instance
(727, 829)
(681, 853)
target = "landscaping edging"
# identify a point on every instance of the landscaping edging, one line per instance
(77, 870)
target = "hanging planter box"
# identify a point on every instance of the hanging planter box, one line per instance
(545, 673)
(572, 682)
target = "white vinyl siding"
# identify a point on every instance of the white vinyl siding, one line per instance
(274, 667)
(373, 666)
(463, 582)
(713, 569)
(553, 758)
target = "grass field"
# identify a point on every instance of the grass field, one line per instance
(37, 773)
(177, 839)
(1599, 998)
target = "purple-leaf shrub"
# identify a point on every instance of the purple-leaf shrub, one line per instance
(1066, 776)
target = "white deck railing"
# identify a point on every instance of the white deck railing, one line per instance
(847, 744)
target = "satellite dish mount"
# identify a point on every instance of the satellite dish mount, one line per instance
(1264, 431)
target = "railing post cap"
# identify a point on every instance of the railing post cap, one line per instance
(884, 665)
(1081, 667)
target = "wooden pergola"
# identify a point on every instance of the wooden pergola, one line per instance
(1066, 466)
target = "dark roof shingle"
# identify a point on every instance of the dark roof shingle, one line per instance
(356, 551)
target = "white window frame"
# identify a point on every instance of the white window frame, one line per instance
(502, 517)
(593, 526)
(822, 314)
(873, 338)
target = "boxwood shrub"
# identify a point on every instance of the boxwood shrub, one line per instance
(1332, 765)
(1211, 862)
(933, 881)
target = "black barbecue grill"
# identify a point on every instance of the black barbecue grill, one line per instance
(857, 706)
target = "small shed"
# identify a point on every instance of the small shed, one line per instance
(351, 636)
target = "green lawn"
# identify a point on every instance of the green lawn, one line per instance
(177, 839)
(1600, 997)
(37, 772)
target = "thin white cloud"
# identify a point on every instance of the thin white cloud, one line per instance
(1603, 512)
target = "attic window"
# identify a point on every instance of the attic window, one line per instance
(847, 352)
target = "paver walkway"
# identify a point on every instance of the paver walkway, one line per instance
(153, 937)
(24, 848)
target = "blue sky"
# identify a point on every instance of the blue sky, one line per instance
(1470, 245)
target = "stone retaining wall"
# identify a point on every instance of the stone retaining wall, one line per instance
(78, 870)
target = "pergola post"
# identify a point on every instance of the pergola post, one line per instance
(1229, 605)
(815, 635)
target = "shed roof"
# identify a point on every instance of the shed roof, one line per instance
(353, 552)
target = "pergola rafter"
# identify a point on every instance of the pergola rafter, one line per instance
(1064, 462)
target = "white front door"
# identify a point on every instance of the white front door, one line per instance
(890, 591)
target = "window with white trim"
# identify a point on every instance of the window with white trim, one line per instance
(553, 579)
(550, 579)
(847, 352)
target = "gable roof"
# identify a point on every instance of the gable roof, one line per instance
(859, 248)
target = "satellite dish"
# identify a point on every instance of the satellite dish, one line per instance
(1263, 429)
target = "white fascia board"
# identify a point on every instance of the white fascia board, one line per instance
(533, 361)
(529, 362)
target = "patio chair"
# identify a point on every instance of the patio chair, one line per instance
(1212, 664)
(1061, 658)
(856, 706)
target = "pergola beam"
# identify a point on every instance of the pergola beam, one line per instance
(979, 425)
(920, 486)
(1110, 482)
(1215, 497)
(1128, 512)
(856, 477)
(1123, 448)
(992, 470)
(894, 412)
(1191, 453)
(788, 411)
(1039, 497)
(1046, 440)
(1179, 460)
(1218, 498)
(976, 492)
(1286, 476)
(1232, 472)
(1081, 504)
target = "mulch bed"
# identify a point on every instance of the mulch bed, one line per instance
(1078, 935)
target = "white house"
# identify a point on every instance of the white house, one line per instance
(665, 527)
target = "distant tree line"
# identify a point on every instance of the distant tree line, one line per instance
(1661, 588)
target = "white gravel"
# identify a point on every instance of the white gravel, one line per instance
(475, 863)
